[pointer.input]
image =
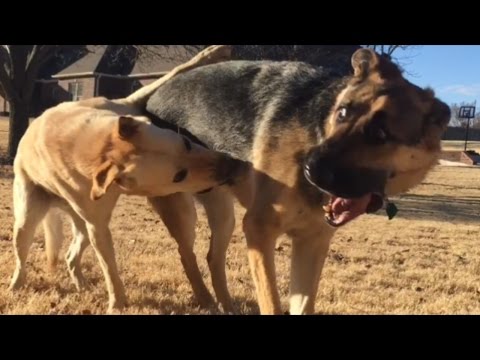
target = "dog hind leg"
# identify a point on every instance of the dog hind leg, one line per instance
(218, 205)
(30, 206)
(53, 229)
(179, 216)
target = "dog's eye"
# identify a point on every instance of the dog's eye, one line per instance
(188, 144)
(180, 176)
(341, 114)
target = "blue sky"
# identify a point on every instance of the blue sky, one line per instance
(453, 71)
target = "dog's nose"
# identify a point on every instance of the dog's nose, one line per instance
(318, 172)
(323, 178)
(228, 169)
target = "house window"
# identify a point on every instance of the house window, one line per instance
(76, 90)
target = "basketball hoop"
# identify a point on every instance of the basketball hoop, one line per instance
(466, 112)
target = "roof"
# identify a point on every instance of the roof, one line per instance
(128, 61)
(87, 65)
(146, 66)
(160, 59)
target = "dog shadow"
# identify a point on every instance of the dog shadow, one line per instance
(167, 304)
(435, 207)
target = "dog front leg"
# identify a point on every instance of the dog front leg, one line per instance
(101, 240)
(261, 237)
(74, 254)
(309, 251)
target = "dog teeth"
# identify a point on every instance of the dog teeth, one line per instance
(329, 218)
(328, 212)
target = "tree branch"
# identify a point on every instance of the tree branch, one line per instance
(168, 52)
(18, 55)
(392, 48)
(40, 54)
(31, 55)
(5, 79)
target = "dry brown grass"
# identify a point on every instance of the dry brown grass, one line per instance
(425, 261)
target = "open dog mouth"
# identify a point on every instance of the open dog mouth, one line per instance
(341, 211)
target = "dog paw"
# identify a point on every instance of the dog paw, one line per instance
(17, 283)
(117, 306)
(80, 283)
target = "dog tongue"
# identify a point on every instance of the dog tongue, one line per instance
(345, 210)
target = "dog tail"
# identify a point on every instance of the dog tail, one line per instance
(53, 228)
(212, 54)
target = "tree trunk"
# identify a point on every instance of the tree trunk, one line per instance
(23, 62)
(19, 115)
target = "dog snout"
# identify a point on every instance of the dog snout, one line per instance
(332, 176)
(228, 169)
(318, 171)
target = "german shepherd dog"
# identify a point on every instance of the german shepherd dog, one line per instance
(323, 151)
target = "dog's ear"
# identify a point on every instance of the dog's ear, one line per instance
(435, 120)
(366, 61)
(439, 113)
(127, 127)
(363, 61)
(103, 177)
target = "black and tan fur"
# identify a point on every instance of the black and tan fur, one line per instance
(301, 131)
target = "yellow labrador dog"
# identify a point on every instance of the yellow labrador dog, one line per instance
(81, 156)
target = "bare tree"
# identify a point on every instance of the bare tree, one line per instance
(456, 121)
(19, 66)
(335, 58)
(325, 55)
(149, 54)
(388, 49)
(476, 122)
(169, 52)
(306, 53)
(393, 51)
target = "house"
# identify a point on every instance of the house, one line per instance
(115, 71)
(112, 71)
